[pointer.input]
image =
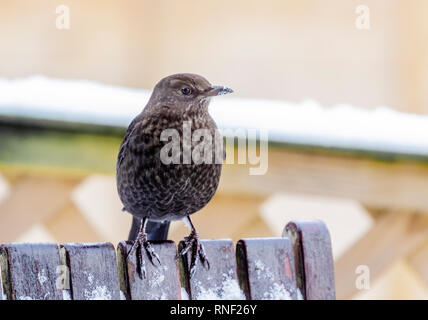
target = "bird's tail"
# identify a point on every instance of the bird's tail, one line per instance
(155, 230)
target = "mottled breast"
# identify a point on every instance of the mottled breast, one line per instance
(149, 187)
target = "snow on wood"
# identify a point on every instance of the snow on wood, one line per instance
(306, 123)
(93, 270)
(161, 282)
(219, 282)
(266, 268)
(30, 271)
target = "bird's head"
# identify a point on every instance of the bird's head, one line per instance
(185, 89)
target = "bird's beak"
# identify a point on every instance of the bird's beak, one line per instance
(217, 91)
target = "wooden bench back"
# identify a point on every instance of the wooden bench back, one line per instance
(297, 266)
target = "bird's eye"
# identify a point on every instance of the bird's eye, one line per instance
(186, 91)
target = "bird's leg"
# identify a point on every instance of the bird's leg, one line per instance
(198, 252)
(139, 243)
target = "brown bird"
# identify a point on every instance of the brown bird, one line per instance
(160, 183)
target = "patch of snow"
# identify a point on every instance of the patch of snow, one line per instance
(122, 295)
(184, 294)
(277, 292)
(41, 276)
(308, 123)
(157, 280)
(99, 293)
(340, 126)
(259, 265)
(209, 294)
(66, 294)
(228, 290)
(262, 271)
(90, 278)
(299, 294)
(60, 99)
(24, 298)
(162, 296)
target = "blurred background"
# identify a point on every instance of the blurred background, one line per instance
(57, 165)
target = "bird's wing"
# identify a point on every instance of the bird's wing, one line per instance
(124, 144)
(121, 155)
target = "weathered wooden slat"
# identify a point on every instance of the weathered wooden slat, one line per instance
(220, 281)
(29, 271)
(93, 270)
(313, 258)
(162, 282)
(266, 269)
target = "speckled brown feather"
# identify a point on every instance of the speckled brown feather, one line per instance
(146, 186)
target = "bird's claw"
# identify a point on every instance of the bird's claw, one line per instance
(151, 253)
(198, 252)
(140, 243)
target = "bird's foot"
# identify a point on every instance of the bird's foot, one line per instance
(140, 243)
(198, 252)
